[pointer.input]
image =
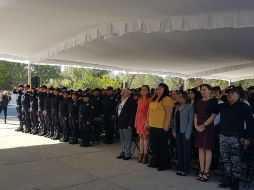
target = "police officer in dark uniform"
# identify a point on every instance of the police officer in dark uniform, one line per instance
(109, 109)
(48, 112)
(96, 102)
(19, 92)
(25, 101)
(74, 118)
(236, 128)
(41, 108)
(34, 111)
(55, 114)
(64, 116)
(85, 121)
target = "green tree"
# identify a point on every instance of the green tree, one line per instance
(12, 74)
(174, 83)
(244, 83)
(47, 73)
(137, 80)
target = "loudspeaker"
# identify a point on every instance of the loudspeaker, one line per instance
(35, 82)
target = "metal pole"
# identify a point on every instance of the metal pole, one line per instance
(124, 79)
(185, 84)
(229, 82)
(29, 74)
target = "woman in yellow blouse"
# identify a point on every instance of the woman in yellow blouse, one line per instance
(159, 118)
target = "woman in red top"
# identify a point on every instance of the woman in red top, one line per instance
(141, 123)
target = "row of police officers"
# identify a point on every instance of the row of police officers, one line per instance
(69, 116)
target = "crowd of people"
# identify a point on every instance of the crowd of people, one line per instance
(213, 123)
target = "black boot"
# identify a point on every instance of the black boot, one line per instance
(28, 130)
(235, 184)
(5, 120)
(19, 129)
(35, 132)
(47, 134)
(56, 136)
(51, 134)
(226, 182)
(73, 140)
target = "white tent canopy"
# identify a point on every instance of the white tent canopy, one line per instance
(184, 38)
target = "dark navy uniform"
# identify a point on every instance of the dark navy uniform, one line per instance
(48, 114)
(85, 123)
(109, 109)
(19, 109)
(42, 126)
(25, 101)
(64, 119)
(96, 102)
(55, 116)
(33, 112)
(73, 108)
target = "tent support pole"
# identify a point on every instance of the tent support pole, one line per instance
(29, 74)
(229, 82)
(185, 84)
(124, 80)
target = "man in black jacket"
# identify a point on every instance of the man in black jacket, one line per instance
(55, 113)
(85, 120)
(48, 112)
(25, 100)
(73, 108)
(34, 111)
(234, 115)
(64, 117)
(108, 111)
(96, 102)
(41, 108)
(19, 92)
(126, 112)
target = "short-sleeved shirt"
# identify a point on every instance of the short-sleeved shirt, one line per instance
(204, 109)
(157, 112)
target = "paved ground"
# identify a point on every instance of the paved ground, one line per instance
(29, 162)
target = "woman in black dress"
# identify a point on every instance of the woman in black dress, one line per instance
(5, 99)
(205, 111)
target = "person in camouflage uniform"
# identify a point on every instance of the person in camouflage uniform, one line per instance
(234, 116)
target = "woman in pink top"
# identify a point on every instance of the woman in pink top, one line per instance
(141, 123)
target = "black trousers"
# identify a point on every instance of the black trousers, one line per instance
(108, 127)
(85, 132)
(160, 148)
(97, 129)
(19, 115)
(34, 119)
(183, 148)
(55, 122)
(74, 128)
(42, 123)
(27, 119)
(49, 121)
(64, 124)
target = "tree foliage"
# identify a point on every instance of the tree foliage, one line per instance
(15, 73)
(12, 74)
(46, 73)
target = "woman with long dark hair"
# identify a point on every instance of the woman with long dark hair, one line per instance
(194, 95)
(141, 123)
(206, 110)
(182, 129)
(159, 118)
(5, 99)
